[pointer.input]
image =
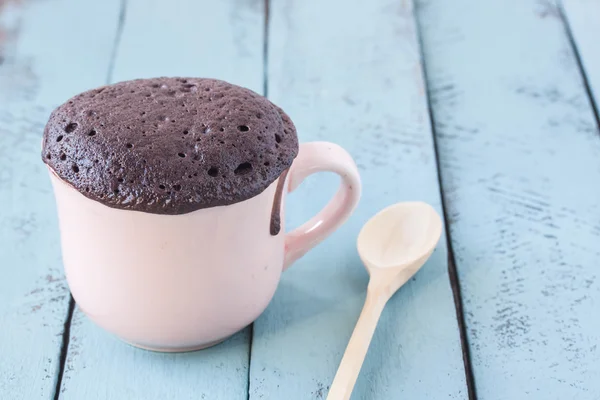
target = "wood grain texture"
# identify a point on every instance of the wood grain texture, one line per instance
(520, 158)
(100, 366)
(349, 72)
(222, 40)
(41, 64)
(583, 17)
(187, 38)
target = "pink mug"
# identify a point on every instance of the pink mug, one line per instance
(186, 282)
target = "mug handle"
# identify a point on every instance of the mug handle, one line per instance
(316, 157)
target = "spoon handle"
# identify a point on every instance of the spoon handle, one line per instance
(347, 373)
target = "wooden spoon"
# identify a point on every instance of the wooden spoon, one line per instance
(393, 245)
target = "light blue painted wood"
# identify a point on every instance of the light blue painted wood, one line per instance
(349, 72)
(41, 64)
(188, 38)
(100, 366)
(583, 17)
(222, 40)
(520, 158)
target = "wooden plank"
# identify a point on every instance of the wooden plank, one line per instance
(41, 64)
(349, 72)
(520, 159)
(100, 366)
(188, 38)
(583, 18)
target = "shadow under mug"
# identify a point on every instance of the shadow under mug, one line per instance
(186, 282)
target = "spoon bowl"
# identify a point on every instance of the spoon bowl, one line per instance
(398, 235)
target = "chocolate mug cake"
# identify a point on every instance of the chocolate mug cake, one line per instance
(169, 145)
(170, 194)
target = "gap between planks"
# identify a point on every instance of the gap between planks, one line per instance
(266, 49)
(119, 34)
(452, 272)
(64, 350)
(586, 83)
(66, 337)
(265, 93)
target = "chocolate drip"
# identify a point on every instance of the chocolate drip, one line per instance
(276, 210)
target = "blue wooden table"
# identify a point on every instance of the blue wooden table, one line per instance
(486, 109)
